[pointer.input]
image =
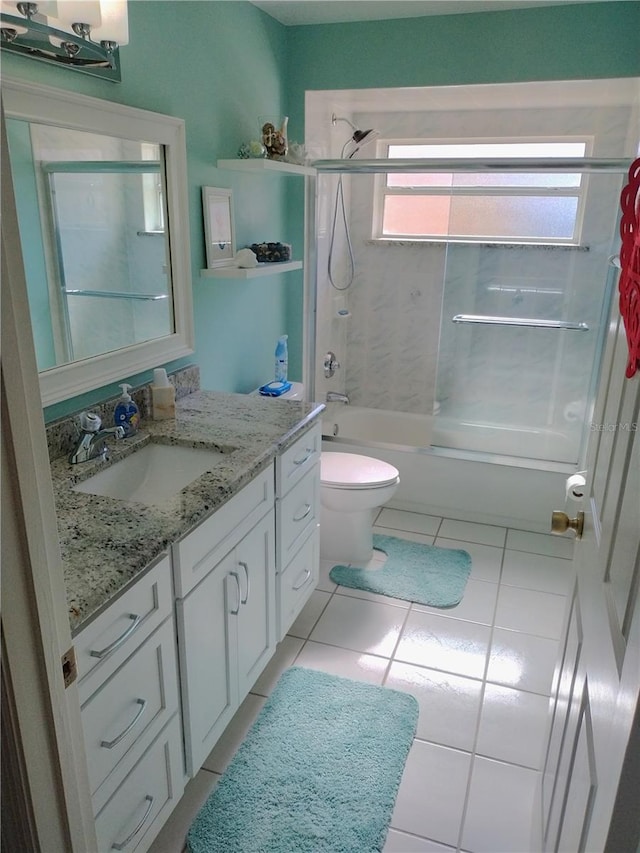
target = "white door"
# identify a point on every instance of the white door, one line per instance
(599, 680)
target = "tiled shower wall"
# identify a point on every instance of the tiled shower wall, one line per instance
(391, 349)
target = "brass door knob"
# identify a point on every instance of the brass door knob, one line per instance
(560, 523)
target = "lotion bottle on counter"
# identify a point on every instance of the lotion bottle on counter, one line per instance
(163, 396)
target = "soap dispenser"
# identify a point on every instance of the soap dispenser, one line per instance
(163, 396)
(126, 413)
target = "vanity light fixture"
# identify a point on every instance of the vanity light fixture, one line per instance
(81, 34)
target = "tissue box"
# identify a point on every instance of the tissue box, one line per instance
(270, 253)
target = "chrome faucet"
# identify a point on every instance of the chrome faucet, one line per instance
(337, 397)
(92, 443)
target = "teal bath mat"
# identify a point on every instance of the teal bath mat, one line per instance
(317, 773)
(425, 574)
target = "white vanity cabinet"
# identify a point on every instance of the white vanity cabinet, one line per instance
(130, 712)
(297, 526)
(227, 620)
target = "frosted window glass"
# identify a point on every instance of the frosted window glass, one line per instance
(490, 217)
(416, 216)
(483, 179)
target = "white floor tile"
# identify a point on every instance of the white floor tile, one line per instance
(478, 604)
(470, 531)
(522, 660)
(432, 793)
(485, 559)
(400, 842)
(373, 596)
(500, 809)
(234, 734)
(443, 643)
(531, 612)
(412, 522)
(535, 571)
(309, 614)
(324, 582)
(422, 538)
(284, 657)
(343, 662)
(363, 626)
(513, 726)
(172, 838)
(449, 704)
(540, 543)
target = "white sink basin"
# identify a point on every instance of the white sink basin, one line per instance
(153, 474)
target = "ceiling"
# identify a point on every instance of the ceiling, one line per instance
(295, 12)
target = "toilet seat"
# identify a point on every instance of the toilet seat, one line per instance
(354, 471)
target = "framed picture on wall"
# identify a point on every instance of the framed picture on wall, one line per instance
(217, 208)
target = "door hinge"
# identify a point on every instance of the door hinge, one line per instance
(69, 667)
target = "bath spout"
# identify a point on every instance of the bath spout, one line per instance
(337, 397)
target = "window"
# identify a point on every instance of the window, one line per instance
(481, 206)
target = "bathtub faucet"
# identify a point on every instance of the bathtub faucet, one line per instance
(337, 397)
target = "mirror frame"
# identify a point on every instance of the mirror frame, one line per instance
(46, 105)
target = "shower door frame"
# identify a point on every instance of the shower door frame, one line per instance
(596, 165)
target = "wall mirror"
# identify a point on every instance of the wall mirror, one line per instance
(101, 195)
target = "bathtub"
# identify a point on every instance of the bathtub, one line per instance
(459, 482)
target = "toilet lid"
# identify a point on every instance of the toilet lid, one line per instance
(353, 471)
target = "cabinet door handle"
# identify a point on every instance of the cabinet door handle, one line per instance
(309, 452)
(237, 610)
(120, 845)
(305, 577)
(103, 653)
(246, 574)
(305, 513)
(109, 744)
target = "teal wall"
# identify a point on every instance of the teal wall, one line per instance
(220, 65)
(579, 41)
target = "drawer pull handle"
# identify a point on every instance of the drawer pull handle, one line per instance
(103, 653)
(309, 451)
(305, 513)
(305, 577)
(120, 845)
(237, 610)
(109, 744)
(246, 574)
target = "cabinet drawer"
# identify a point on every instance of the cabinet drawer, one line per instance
(298, 514)
(138, 809)
(114, 635)
(294, 463)
(297, 582)
(201, 549)
(129, 710)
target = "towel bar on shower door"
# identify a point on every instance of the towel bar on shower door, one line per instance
(519, 321)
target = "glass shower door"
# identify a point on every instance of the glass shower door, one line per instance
(520, 337)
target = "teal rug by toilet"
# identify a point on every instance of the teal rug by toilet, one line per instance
(317, 773)
(425, 574)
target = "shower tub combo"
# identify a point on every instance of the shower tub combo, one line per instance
(456, 483)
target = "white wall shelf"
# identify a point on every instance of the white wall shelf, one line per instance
(255, 272)
(262, 164)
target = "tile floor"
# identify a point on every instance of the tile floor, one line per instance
(482, 673)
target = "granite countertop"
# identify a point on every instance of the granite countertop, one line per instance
(106, 543)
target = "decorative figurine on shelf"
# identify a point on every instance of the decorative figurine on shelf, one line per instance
(275, 141)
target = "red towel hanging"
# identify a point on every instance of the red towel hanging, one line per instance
(629, 285)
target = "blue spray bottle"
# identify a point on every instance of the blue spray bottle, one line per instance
(282, 359)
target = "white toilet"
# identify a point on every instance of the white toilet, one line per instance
(351, 488)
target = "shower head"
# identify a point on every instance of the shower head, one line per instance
(359, 137)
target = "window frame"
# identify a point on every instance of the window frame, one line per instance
(382, 190)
